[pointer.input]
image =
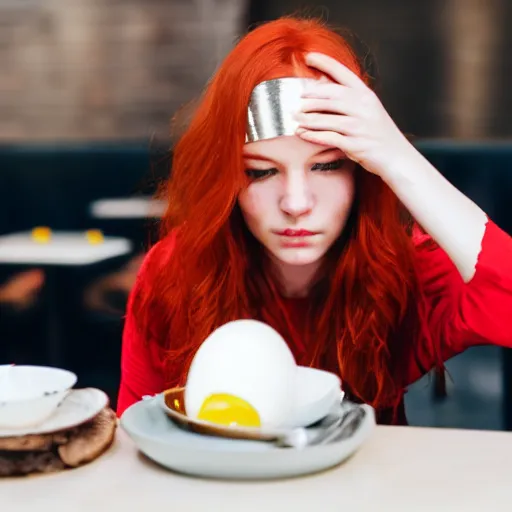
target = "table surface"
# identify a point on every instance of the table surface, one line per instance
(406, 469)
(127, 208)
(65, 248)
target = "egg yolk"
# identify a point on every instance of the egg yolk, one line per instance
(229, 410)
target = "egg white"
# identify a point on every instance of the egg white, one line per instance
(247, 359)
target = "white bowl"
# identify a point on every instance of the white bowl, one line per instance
(29, 395)
(317, 392)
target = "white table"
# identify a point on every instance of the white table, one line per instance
(127, 208)
(399, 469)
(65, 249)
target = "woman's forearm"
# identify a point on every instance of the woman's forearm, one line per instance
(455, 222)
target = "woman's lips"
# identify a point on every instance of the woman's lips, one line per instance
(295, 237)
(296, 233)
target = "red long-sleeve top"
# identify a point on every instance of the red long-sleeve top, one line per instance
(467, 314)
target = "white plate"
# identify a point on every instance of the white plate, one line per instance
(79, 406)
(186, 452)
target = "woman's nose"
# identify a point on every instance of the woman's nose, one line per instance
(297, 199)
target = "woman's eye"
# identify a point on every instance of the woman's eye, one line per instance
(258, 174)
(330, 166)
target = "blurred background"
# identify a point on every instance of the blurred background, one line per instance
(87, 92)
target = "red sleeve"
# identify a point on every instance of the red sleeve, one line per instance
(142, 369)
(461, 315)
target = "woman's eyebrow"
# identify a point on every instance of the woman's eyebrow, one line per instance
(331, 150)
(252, 156)
(327, 150)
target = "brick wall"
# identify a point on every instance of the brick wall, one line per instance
(444, 65)
(106, 69)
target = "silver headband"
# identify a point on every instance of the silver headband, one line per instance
(272, 107)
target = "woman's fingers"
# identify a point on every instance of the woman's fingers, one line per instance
(335, 70)
(345, 125)
(335, 106)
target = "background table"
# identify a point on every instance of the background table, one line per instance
(135, 218)
(399, 469)
(66, 249)
(127, 208)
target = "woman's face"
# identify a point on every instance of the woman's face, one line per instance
(298, 199)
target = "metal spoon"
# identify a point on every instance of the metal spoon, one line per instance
(341, 426)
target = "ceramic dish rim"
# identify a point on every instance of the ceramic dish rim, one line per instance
(38, 432)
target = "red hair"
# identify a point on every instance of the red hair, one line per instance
(367, 298)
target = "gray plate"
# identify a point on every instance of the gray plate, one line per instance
(187, 452)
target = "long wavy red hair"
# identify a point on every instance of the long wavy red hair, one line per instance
(364, 310)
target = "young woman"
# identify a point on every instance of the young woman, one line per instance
(299, 215)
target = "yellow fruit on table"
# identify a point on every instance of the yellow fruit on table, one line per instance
(41, 235)
(94, 236)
